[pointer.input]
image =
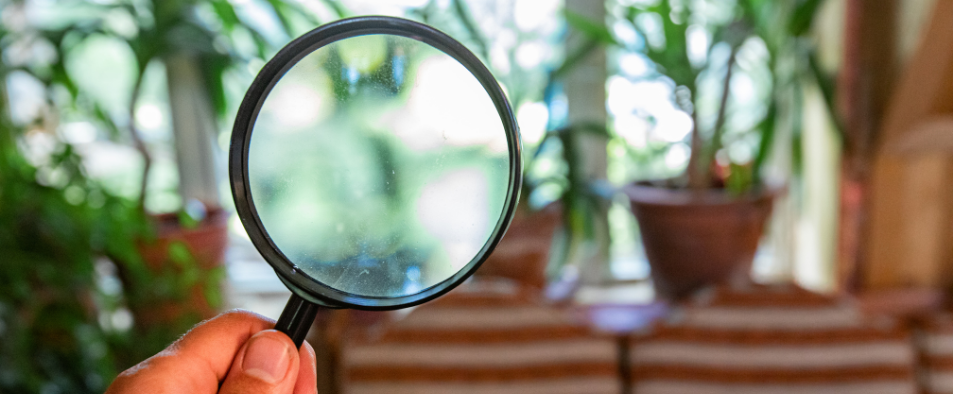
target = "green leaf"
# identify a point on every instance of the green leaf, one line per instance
(261, 43)
(214, 67)
(595, 30)
(99, 113)
(180, 255)
(212, 287)
(279, 8)
(827, 85)
(797, 126)
(226, 14)
(187, 221)
(767, 128)
(740, 179)
(466, 19)
(337, 8)
(803, 17)
(671, 59)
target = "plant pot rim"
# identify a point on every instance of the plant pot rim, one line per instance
(647, 194)
(168, 222)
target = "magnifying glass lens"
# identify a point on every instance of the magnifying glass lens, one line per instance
(379, 166)
(375, 163)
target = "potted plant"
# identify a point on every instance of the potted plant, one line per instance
(704, 226)
(181, 282)
(174, 279)
(556, 201)
(49, 240)
(57, 314)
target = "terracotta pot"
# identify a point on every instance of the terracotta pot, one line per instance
(523, 253)
(696, 238)
(207, 243)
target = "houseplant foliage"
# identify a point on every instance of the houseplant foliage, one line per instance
(704, 225)
(51, 338)
(767, 41)
(57, 323)
(175, 281)
(556, 197)
(210, 34)
(55, 313)
(56, 223)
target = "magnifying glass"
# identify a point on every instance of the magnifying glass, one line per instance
(375, 164)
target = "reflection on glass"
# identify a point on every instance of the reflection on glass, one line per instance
(378, 165)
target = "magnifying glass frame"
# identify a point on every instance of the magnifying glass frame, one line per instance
(298, 282)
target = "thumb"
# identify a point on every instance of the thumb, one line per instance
(267, 364)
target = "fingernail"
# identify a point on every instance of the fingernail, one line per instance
(266, 358)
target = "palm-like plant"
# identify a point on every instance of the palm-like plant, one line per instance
(210, 37)
(782, 28)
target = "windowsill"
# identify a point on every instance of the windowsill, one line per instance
(624, 293)
(252, 284)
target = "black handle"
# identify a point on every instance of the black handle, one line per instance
(296, 319)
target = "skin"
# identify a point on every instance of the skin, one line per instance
(211, 358)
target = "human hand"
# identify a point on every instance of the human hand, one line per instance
(236, 352)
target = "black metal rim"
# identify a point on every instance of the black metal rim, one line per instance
(298, 282)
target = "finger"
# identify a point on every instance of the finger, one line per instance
(267, 364)
(307, 382)
(198, 361)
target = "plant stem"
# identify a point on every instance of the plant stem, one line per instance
(467, 21)
(696, 177)
(702, 169)
(137, 141)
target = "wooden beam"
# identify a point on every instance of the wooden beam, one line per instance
(865, 84)
(930, 136)
(909, 237)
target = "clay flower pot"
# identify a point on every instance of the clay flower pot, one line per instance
(206, 242)
(523, 253)
(694, 238)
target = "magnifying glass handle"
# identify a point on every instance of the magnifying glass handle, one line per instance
(297, 318)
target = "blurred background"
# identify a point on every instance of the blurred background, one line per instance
(670, 146)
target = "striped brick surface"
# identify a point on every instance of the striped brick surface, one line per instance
(934, 339)
(487, 341)
(772, 340)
